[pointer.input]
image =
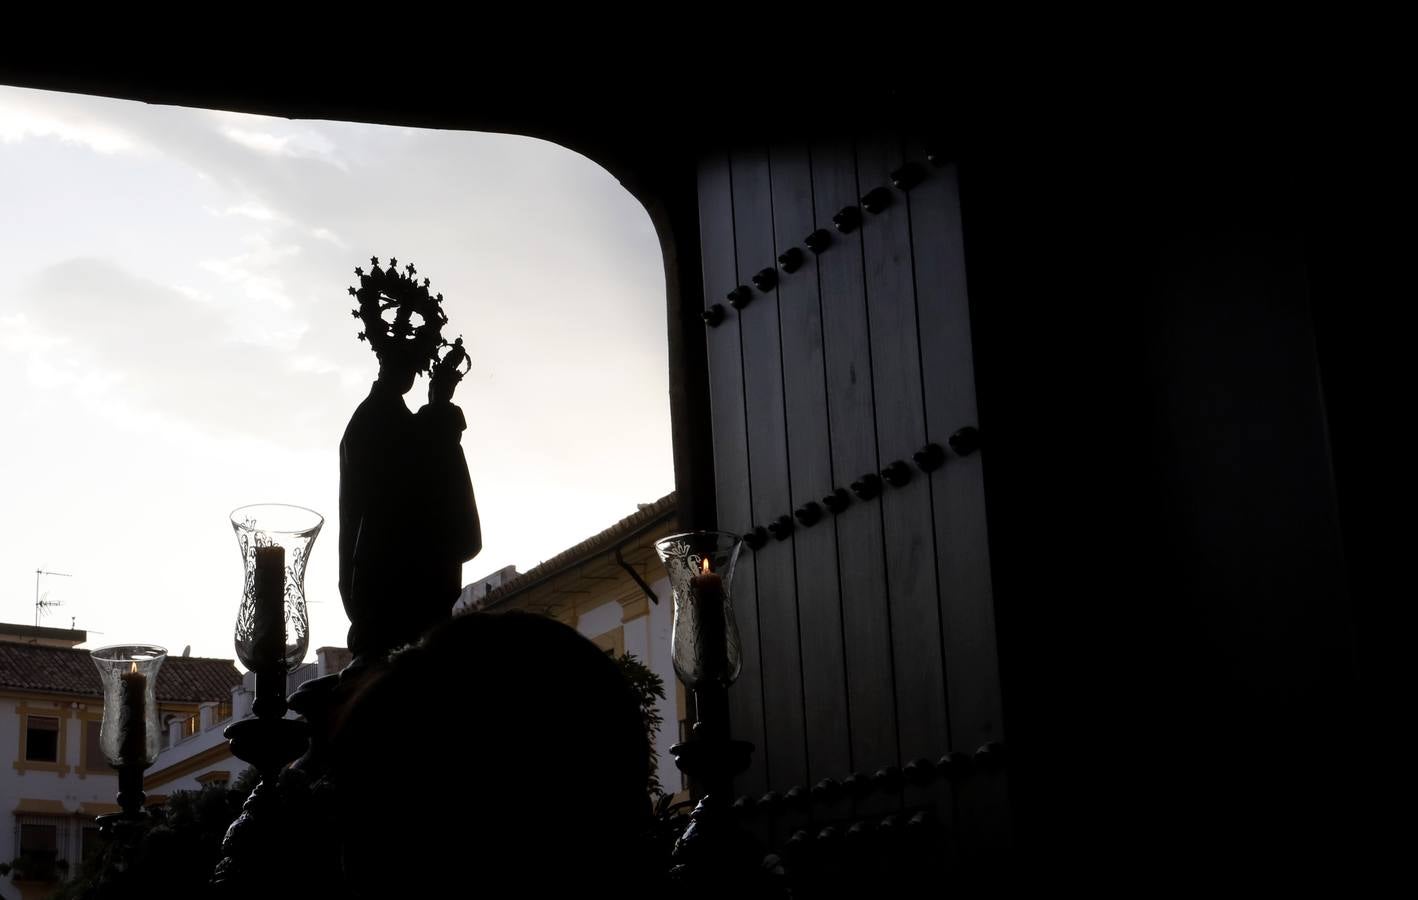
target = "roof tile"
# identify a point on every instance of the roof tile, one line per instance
(63, 670)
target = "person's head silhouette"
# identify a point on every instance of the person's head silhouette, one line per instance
(503, 754)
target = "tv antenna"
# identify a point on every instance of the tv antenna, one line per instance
(42, 601)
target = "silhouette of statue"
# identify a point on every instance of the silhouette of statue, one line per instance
(503, 755)
(408, 518)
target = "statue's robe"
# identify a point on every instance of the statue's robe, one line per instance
(408, 519)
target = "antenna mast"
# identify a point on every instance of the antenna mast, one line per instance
(42, 604)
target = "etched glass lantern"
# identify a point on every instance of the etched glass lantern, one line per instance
(705, 637)
(272, 628)
(130, 734)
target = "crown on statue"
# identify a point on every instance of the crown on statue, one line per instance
(401, 318)
(455, 363)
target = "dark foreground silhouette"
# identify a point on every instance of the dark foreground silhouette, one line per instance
(503, 755)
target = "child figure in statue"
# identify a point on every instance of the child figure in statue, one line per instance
(408, 518)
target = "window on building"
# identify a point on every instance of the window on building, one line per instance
(94, 760)
(39, 848)
(91, 842)
(218, 777)
(41, 739)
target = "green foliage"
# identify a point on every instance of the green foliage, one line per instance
(178, 850)
(648, 688)
(35, 868)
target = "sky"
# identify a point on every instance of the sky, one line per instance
(176, 342)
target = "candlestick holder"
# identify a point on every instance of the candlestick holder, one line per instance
(713, 854)
(130, 733)
(271, 623)
(271, 638)
(704, 636)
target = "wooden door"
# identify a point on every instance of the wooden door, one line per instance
(842, 367)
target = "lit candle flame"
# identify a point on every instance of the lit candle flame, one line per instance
(135, 667)
(704, 566)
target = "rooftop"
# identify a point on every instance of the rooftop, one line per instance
(42, 634)
(64, 670)
(648, 516)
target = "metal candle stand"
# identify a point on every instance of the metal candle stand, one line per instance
(275, 541)
(269, 742)
(714, 854)
(130, 799)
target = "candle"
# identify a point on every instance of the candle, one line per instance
(268, 626)
(707, 599)
(133, 747)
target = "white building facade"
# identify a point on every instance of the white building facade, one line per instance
(56, 780)
(197, 753)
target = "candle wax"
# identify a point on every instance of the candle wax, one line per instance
(268, 631)
(133, 746)
(707, 599)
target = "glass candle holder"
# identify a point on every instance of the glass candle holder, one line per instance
(705, 638)
(130, 733)
(272, 628)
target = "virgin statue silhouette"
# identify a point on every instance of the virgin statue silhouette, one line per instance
(408, 518)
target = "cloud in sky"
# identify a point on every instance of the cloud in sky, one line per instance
(176, 339)
(174, 355)
(297, 144)
(20, 121)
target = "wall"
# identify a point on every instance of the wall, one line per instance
(49, 793)
(187, 759)
(647, 637)
(1173, 596)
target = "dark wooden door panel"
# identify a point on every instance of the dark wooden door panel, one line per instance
(810, 464)
(861, 561)
(731, 473)
(962, 552)
(869, 633)
(784, 745)
(908, 528)
(957, 492)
